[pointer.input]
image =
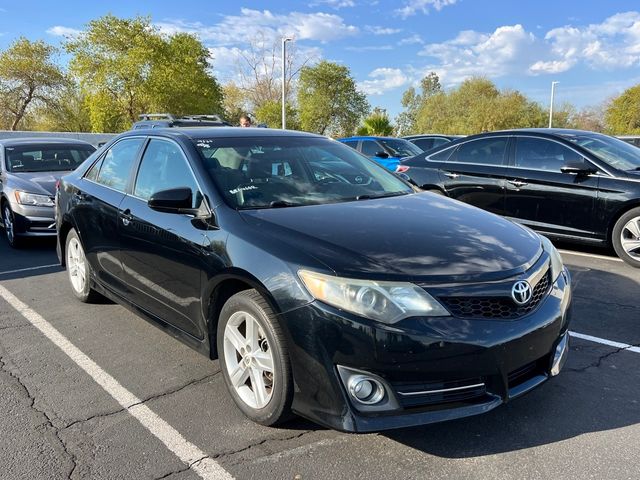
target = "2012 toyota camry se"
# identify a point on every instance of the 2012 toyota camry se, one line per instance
(326, 286)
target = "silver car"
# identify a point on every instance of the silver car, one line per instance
(29, 170)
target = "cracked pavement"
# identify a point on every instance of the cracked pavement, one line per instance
(57, 423)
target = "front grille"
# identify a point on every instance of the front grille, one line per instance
(419, 394)
(496, 307)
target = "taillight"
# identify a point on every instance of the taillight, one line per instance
(57, 185)
(402, 168)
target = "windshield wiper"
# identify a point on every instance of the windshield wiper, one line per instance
(282, 204)
(382, 195)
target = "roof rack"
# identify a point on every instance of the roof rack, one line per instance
(213, 117)
(156, 116)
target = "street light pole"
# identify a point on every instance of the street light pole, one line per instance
(284, 92)
(553, 91)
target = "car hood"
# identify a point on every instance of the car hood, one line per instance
(36, 182)
(416, 236)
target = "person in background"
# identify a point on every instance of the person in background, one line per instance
(245, 121)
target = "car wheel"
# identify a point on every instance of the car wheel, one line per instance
(9, 227)
(626, 237)
(78, 269)
(254, 359)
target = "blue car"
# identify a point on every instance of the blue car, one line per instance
(387, 151)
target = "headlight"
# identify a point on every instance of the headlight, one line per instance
(556, 260)
(33, 199)
(387, 302)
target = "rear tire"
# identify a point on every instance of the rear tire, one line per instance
(254, 360)
(78, 269)
(626, 237)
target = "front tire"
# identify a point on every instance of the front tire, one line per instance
(254, 359)
(8, 219)
(78, 269)
(626, 237)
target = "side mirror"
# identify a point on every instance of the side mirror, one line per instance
(176, 200)
(578, 167)
(382, 154)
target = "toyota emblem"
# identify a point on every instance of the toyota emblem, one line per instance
(521, 292)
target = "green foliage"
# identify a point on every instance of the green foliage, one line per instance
(376, 124)
(28, 77)
(126, 67)
(623, 114)
(411, 101)
(234, 103)
(477, 106)
(270, 112)
(328, 101)
(68, 112)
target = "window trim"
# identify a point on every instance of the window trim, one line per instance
(184, 157)
(104, 154)
(505, 157)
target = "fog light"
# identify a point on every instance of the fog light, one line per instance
(365, 390)
(560, 355)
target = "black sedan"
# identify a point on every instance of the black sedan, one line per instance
(429, 141)
(325, 285)
(566, 184)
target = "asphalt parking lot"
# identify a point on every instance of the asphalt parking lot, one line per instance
(57, 421)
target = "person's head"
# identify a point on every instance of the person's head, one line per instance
(245, 121)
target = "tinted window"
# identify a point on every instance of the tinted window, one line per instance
(487, 151)
(443, 155)
(92, 174)
(352, 143)
(117, 162)
(275, 172)
(164, 167)
(401, 147)
(46, 158)
(611, 150)
(370, 148)
(440, 141)
(424, 143)
(541, 154)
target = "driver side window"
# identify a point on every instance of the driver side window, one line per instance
(164, 167)
(370, 148)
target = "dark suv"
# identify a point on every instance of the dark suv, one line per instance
(166, 120)
(569, 184)
(348, 298)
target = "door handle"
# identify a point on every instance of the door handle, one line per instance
(517, 183)
(451, 175)
(126, 217)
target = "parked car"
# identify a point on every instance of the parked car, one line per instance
(566, 184)
(430, 141)
(167, 120)
(29, 169)
(253, 247)
(387, 151)
(632, 139)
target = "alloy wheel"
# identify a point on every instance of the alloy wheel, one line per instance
(630, 238)
(248, 359)
(76, 265)
(8, 224)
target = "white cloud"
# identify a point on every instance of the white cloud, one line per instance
(383, 79)
(336, 4)
(236, 29)
(60, 31)
(412, 7)
(370, 48)
(378, 30)
(473, 53)
(553, 66)
(412, 40)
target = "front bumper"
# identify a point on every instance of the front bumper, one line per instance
(418, 355)
(33, 221)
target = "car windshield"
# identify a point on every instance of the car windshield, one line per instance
(611, 150)
(274, 172)
(46, 158)
(400, 147)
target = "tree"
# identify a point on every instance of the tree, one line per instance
(412, 101)
(28, 77)
(67, 113)
(623, 114)
(328, 101)
(234, 103)
(260, 71)
(376, 124)
(126, 67)
(271, 113)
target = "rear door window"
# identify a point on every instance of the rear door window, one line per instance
(117, 163)
(485, 151)
(541, 154)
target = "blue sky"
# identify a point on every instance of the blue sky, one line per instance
(591, 47)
